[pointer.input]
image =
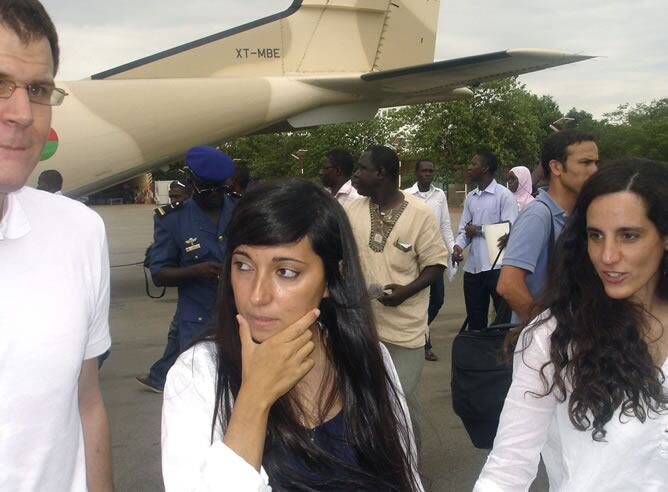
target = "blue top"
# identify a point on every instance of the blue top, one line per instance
(528, 243)
(330, 437)
(492, 205)
(182, 238)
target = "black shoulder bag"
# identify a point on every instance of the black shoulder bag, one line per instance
(481, 377)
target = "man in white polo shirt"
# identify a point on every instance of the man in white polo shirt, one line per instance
(54, 288)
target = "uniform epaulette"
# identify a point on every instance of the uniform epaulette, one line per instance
(167, 209)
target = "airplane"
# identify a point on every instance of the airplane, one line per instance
(318, 62)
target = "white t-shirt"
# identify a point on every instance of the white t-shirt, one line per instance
(438, 203)
(633, 457)
(190, 462)
(54, 310)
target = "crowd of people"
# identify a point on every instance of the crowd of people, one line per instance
(294, 357)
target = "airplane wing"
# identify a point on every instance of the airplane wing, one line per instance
(470, 70)
(439, 81)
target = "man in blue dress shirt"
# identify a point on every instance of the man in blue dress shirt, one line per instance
(190, 243)
(489, 203)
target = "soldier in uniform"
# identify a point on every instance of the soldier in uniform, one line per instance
(157, 374)
(188, 249)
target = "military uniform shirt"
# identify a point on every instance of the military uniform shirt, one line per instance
(183, 237)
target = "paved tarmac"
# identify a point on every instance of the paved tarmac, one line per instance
(139, 328)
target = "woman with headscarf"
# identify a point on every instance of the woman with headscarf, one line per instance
(519, 182)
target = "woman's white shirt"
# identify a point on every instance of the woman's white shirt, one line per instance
(634, 456)
(190, 461)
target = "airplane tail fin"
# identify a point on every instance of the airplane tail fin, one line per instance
(310, 37)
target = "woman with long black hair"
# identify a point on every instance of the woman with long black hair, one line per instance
(589, 389)
(293, 390)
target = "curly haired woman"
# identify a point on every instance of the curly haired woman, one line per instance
(589, 391)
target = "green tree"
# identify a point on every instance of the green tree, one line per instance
(548, 112)
(271, 155)
(268, 156)
(355, 137)
(640, 131)
(582, 120)
(502, 117)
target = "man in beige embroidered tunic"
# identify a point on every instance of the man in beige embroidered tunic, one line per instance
(402, 254)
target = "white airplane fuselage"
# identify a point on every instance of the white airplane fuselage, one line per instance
(126, 127)
(318, 62)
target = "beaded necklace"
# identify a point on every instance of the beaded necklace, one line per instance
(382, 224)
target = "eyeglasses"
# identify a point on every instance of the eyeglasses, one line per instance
(45, 94)
(204, 190)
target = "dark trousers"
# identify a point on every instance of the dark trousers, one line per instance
(478, 287)
(157, 375)
(436, 299)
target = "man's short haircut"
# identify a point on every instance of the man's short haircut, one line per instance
(556, 147)
(489, 159)
(385, 158)
(241, 176)
(30, 22)
(341, 159)
(420, 161)
(52, 178)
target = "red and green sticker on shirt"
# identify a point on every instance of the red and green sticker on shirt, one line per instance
(51, 146)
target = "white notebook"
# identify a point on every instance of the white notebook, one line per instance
(492, 234)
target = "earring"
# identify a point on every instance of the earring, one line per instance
(321, 326)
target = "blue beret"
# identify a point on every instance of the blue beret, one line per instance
(209, 164)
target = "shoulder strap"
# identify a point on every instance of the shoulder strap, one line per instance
(147, 264)
(496, 260)
(148, 289)
(551, 243)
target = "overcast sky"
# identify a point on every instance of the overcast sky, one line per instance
(629, 36)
